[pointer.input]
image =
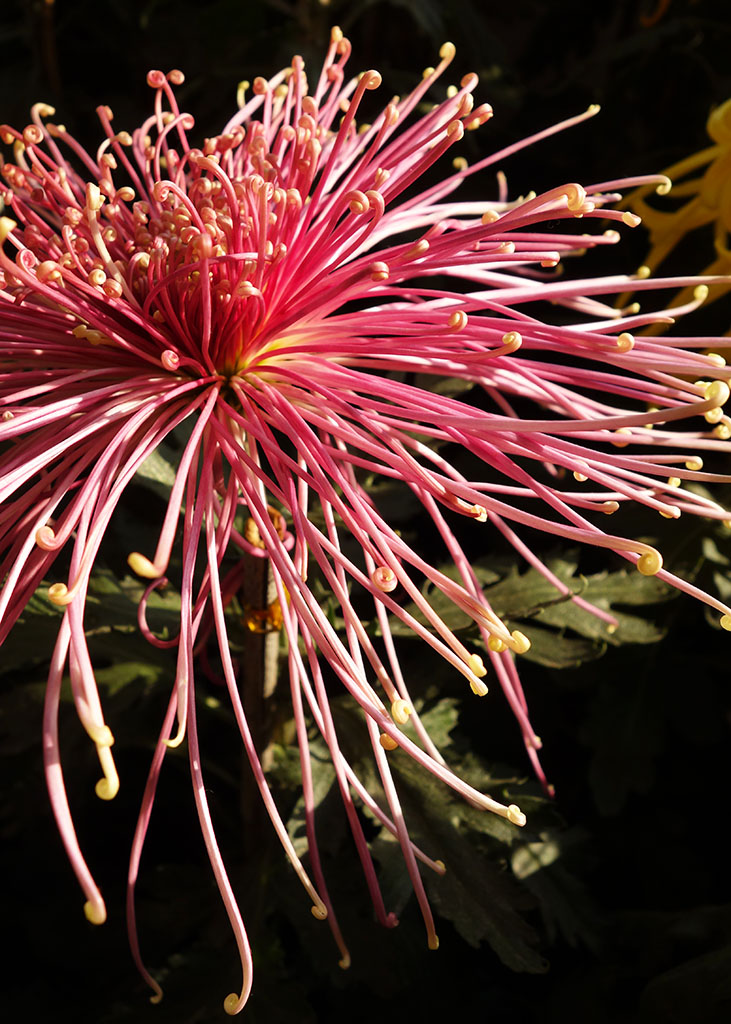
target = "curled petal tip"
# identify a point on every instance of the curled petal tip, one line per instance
(520, 643)
(384, 578)
(177, 738)
(477, 665)
(170, 360)
(95, 912)
(46, 538)
(232, 1004)
(101, 734)
(717, 391)
(516, 816)
(59, 594)
(650, 562)
(372, 79)
(107, 789)
(143, 566)
(400, 711)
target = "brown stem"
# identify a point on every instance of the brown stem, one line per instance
(257, 679)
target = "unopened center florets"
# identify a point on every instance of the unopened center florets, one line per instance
(209, 257)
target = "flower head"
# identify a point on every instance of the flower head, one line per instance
(272, 293)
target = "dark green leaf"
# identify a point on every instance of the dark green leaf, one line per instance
(562, 633)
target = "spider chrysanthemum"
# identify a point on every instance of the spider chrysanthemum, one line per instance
(269, 296)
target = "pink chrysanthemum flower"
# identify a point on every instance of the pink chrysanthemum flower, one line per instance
(270, 290)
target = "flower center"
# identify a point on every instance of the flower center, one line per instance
(210, 255)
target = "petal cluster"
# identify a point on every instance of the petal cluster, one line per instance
(277, 296)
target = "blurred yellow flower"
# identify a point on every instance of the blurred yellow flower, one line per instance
(707, 200)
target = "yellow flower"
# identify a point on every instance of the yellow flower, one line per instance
(707, 200)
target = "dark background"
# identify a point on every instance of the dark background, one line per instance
(637, 743)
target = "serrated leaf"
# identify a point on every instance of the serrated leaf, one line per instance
(32, 638)
(118, 676)
(112, 605)
(443, 606)
(110, 623)
(563, 634)
(524, 595)
(484, 905)
(631, 629)
(712, 553)
(323, 780)
(157, 472)
(560, 650)
(477, 894)
(563, 901)
(722, 583)
(440, 719)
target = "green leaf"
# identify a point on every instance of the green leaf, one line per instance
(117, 677)
(712, 553)
(451, 386)
(32, 638)
(440, 719)
(562, 633)
(564, 903)
(477, 893)
(110, 625)
(323, 780)
(157, 472)
(560, 650)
